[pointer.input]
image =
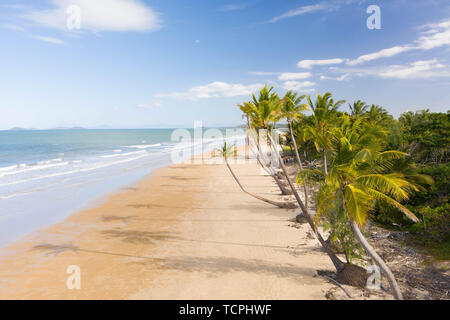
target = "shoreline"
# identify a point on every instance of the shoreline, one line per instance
(182, 232)
(55, 197)
(82, 203)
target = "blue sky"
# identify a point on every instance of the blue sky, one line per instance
(166, 63)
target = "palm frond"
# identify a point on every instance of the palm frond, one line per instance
(382, 197)
(358, 203)
(325, 199)
(310, 176)
(393, 184)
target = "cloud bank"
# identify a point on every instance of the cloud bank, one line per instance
(308, 64)
(300, 11)
(99, 15)
(213, 90)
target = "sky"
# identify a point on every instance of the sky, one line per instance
(168, 63)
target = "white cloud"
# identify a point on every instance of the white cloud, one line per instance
(416, 70)
(432, 36)
(385, 53)
(436, 36)
(308, 64)
(48, 39)
(299, 85)
(151, 105)
(213, 90)
(99, 15)
(263, 73)
(14, 27)
(233, 7)
(343, 77)
(13, 6)
(294, 76)
(424, 69)
(442, 24)
(300, 11)
(340, 78)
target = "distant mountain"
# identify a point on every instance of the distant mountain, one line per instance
(69, 128)
(20, 129)
(57, 128)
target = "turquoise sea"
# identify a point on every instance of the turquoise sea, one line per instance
(46, 175)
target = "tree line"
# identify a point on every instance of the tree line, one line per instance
(354, 166)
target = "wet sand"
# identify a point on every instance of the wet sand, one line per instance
(185, 232)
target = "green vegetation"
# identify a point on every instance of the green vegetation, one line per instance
(426, 137)
(364, 165)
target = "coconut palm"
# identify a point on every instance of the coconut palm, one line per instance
(358, 108)
(228, 150)
(246, 110)
(266, 108)
(292, 109)
(338, 264)
(377, 115)
(301, 136)
(360, 174)
(262, 111)
(324, 115)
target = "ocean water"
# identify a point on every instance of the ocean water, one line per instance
(47, 175)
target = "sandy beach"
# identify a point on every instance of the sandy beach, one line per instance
(185, 232)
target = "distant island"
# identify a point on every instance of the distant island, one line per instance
(57, 128)
(19, 129)
(69, 128)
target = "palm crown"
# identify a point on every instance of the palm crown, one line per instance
(360, 174)
(358, 108)
(292, 107)
(266, 108)
(324, 114)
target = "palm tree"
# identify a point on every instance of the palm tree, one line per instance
(246, 111)
(360, 175)
(358, 108)
(261, 112)
(291, 109)
(338, 264)
(266, 108)
(377, 115)
(323, 118)
(301, 136)
(266, 95)
(226, 151)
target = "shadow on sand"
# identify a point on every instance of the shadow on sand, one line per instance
(213, 266)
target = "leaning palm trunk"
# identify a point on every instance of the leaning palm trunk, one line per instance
(338, 264)
(281, 205)
(247, 138)
(271, 173)
(248, 130)
(299, 162)
(325, 163)
(283, 189)
(375, 257)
